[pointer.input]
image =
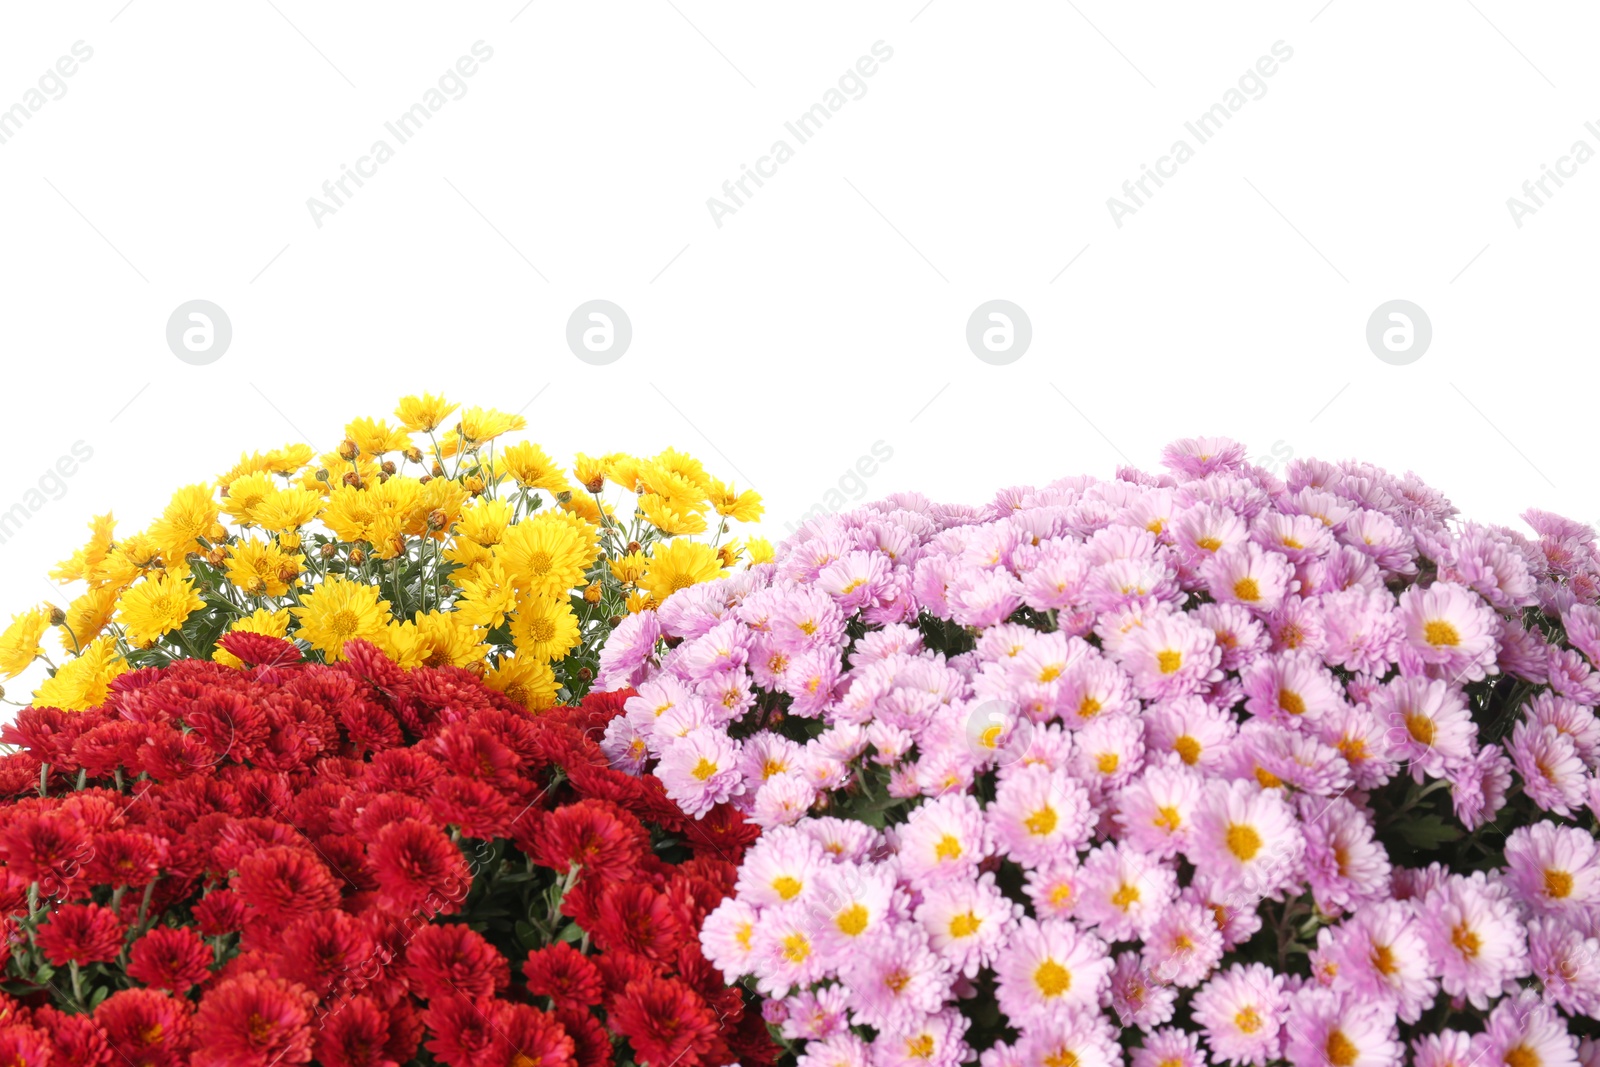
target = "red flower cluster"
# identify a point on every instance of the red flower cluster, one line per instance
(344, 864)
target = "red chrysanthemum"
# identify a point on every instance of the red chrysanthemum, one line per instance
(635, 917)
(254, 1022)
(563, 974)
(49, 848)
(598, 838)
(260, 649)
(528, 1037)
(453, 960)
(461, 1032)
(354, 1033)
(331, 951)
(74, 1039)
(126, 858)
(170, 958)
(592, 1044)
(476, 807)
(146, 1027)
(664, 1022)
(284, 883)
(222, 911)
(418, 868)
(23, 1046)
(81, 933)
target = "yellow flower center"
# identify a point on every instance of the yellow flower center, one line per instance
(1209, 544)
(965, 925)
(1042, 821)
(1247, 590)
(1088, 707)
(1049, 672)
(948, 848)
(1438, 632)
(1107, 763)
(1052, 978)
(1126, 896)
(1188, 749)
(920, 1047)
(1167, 817)
(1466, 941)
(1522, 1056)
(1247, 1021)
(1243, 842)
(1169, 660)
(539, 562)
(1341, 1051)
(1061, 895)
(852, 920)
(343, 623)
(1420, 727)
(1267, 779)
(703, 770)
(897, 981)
(990, 737)
(746, 930)
(787, 886)
(1291, 702)
(1558, 884)
(796, 948)
(1061, 1057)
(1383, 959)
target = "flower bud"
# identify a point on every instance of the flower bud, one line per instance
(564, 497)
(357, 557)
(474, 485)
(57, 616)
(438, 471)
(289, 541)
(389, 467)
(615, 620)
(351, 478)
(412, 453)
(328, 551)
(437, 519)
(322, 474)
(425, 479)
(634, 546)
(348, 449)
(595, 484)
(584, 673)
(591, 593)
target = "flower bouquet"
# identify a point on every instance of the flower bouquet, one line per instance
(1197, 767)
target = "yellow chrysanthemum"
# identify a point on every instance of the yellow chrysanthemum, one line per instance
(682, 465)
(19, 644)
(629, 568)
(155, 607)
(442, 502)
(423, 414)
(469, 556)
(484, 521)
(639, 601)
(487, 597)
(83, 682)
(478, 426)
(290, 458)
(189, 516)
(669, 519)
(86, 561)
(374, 438)
(586, 508)
(760, 550)
(543, 556)
(244, 494)
(375, 514)
(622, 469)
(87, 615)
(131, 559)
(587, 533)
(261, 568)
(728, 553)
(260, 621)
(741, 507)
(544, 627)
(445, 639)
(589, 472)
(527, 680)
(339, 610)
(249, 463)
(678, 564)
(528, 464)
(288, 509)
(680, 492)
(327, 472)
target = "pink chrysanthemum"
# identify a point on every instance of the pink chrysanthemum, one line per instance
(1245, 837)
(1450, 629)
(1378, 954)
(1048, 966)
(1039, 815)
(1552, 869)
(1474, 937)
(1326, 1028)
(897, 984)
(1123, 890)
(1241, 1013)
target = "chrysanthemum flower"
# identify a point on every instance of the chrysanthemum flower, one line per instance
(944, 838)
(897, 984)
(1241, 1012)
(1324, 1027)
(967, 922)
(1474, 938)
(1378, 953)
(1048, 966)
(1553, 869)
(1449, 629)
(1245, 838)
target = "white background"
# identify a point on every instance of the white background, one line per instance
(829, 312)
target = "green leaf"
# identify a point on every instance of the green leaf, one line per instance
(1427, 832)
(571, 932)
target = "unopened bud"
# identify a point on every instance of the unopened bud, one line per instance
(634, 546)
(255, 586)
(584, 674)
(389, 467)
(216, 557)
(57, 616)
(357, 557)
(322, 474)
(217, 533)
(348, 449)
(328, 551)
(438, 471)
(474, 485)
(564, 497)
(591, 593)
(615, 620)
(289, 541)
(351, 478)
(412, 453)
(437, 519)
(595, 484)
(425, 479)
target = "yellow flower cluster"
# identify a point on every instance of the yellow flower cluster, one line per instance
(433, 539)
